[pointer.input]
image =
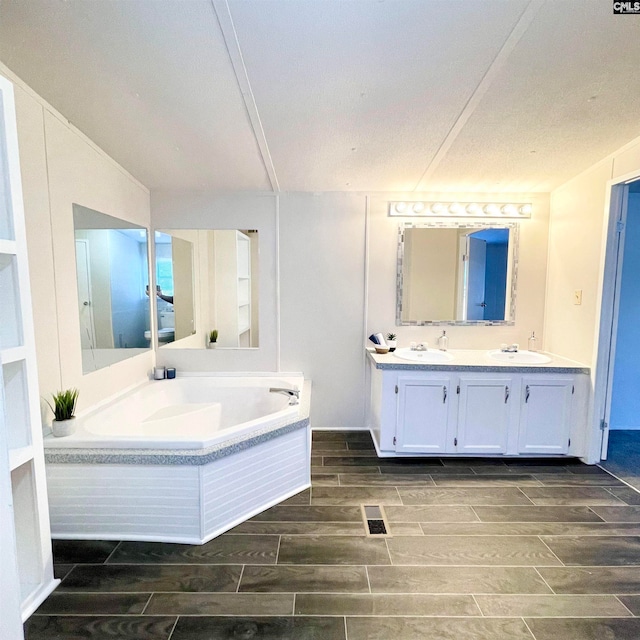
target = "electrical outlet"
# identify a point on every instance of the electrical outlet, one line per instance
(577, 296)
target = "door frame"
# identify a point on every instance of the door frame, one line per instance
(87, 255)
(608, 303)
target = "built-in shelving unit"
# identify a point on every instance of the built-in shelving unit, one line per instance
(26, 564)
(233, 275)
(243, 249)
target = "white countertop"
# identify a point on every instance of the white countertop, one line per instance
(477, 360)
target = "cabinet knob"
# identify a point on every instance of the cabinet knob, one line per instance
(506, 394)
(444, 394)
(527, 393)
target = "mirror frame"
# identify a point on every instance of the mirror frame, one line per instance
(514, 232)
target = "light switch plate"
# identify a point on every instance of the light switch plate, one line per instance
(577, 296)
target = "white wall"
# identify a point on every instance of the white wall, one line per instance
(60, 167)
(322, 250)
(577, 233)
(575, 245)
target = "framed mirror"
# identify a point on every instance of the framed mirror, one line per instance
(207, 280)
(457, 273)
(112, 277)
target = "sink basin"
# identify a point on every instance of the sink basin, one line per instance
(431, 356)
(519, 357)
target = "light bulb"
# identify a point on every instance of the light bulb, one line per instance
(418, 207)
(401, 207)
(525, 209)
(473, 209)
(508, 210)
(455, 209)
(438, 207)
(490, 209)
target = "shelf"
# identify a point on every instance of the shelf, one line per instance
(10, 316)
(9, 247)
(19, 456)
(13, 354)
(16, 395)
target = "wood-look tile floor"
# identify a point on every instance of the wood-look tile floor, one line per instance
(480, 550)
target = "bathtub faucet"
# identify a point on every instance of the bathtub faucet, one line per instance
(294, 394)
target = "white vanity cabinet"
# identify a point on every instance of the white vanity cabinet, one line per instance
(426, 415)
(452, 411)
(485, 414)
(546, 414)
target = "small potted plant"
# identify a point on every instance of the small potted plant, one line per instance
(391, 341)
(64, 407)
(213, 339)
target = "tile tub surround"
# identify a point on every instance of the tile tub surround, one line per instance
(554, 555)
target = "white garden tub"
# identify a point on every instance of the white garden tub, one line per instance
(180, 460)
(193, 412)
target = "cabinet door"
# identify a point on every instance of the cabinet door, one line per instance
(425, 414)
(485, 407)
(545, 417)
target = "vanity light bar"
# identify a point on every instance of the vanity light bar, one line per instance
(462, 209)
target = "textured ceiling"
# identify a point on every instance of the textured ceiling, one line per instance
(319, 95)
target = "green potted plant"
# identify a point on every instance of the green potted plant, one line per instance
(391, 341)
(64, 407)
(213, 339)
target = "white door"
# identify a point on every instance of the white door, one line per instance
(426, 411)
(545, 416)
(85, 305)
(477, 265)
(484, 410)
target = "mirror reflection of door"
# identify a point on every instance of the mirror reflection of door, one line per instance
(487, 262)
(477, 267)
(85, 310)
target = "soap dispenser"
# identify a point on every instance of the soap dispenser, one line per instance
(532, 345)
(443, 341)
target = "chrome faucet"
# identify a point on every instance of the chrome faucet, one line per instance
(420, 346)
(509, 348)
(294, 394)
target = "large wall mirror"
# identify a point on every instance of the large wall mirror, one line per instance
(207, 279)
(457, 273)
(112, 276)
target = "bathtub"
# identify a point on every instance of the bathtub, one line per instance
(179, 460)
(189, 412)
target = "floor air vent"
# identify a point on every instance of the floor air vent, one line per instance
(375, 522)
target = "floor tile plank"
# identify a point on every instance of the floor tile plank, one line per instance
(585, 629)
(334, 550)
(273, 628)
(552, 606)
(438, 628)
(289, 579)
(469, 550)
(377, 604)
(460, 580)
(126, 578)
(226, 549)
(99, 627)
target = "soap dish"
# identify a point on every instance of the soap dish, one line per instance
(382, 349)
